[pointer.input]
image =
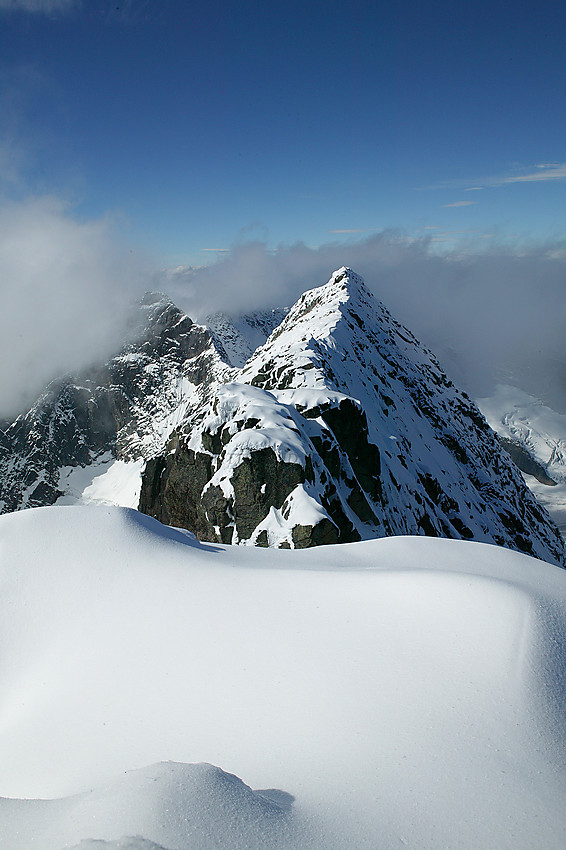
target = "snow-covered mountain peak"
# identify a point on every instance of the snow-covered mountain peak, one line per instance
(337, 336)
(389, 445)
(342, 281)
(340, 426)
(318, 309)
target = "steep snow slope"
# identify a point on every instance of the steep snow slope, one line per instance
(123, 411)
(535, 435)
(343, 426)
(406, 691)
(239, 336)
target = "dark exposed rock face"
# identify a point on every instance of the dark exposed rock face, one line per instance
(525, 462)
(342, 426)
(64, 427)
(120, 408)
(177, 494)
(227, 493)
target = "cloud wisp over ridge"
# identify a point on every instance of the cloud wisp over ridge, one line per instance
(67, 288)
(460, 204)
(483, 311)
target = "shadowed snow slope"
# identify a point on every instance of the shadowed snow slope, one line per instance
(405, 691)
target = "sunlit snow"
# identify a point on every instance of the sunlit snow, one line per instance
(405, 691)
(530, 423)
(105, 481)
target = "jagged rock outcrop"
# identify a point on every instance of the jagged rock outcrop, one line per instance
(343, 426)
(125, 409)
(246, 473)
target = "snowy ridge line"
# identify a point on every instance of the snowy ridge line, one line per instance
(391, 446)
(360, 433)
(127, 409)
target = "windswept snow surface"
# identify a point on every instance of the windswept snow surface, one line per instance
(407, 692)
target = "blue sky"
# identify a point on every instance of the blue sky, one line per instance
(197, 125)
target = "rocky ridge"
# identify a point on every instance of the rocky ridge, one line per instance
(341, 427)
(125, 409)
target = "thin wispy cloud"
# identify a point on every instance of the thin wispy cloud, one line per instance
(350, 230)
(41, 6)
(460, 204)
(543, 172)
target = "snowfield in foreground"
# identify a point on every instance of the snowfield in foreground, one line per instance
(406, 692)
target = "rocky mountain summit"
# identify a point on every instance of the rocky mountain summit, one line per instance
(342, 427)
(125, 409)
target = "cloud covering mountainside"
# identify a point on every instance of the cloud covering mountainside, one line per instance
(67, 285)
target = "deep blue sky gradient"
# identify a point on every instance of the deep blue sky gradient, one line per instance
(198, 124)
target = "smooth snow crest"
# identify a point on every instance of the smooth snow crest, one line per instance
(405, 691)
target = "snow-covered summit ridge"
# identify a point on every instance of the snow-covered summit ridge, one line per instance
(323, 319)
(390, 446)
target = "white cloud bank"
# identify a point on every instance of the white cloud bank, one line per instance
(542, 172)
(66, 286)
(480, 311)
(65, 289)
(545, 172)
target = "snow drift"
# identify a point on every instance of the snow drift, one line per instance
(405, 691)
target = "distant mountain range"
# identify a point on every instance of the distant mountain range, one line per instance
(341, 426)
